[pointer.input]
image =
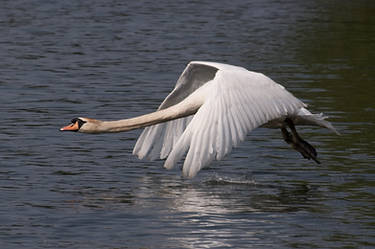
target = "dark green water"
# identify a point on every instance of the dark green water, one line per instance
(117, 59)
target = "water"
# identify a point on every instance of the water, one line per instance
(118, 59)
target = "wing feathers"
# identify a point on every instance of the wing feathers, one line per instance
(202, 140)
(237, 101)
(232, 110)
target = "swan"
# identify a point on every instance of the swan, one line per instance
(211, 109)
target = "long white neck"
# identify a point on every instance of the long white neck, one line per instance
(185, 108)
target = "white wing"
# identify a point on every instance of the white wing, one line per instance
(237, 101)
(158, 140)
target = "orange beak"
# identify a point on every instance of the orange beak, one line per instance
(71, 127)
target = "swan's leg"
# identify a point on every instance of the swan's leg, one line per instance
(297, 143)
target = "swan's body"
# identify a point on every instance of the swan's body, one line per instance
(211, 109)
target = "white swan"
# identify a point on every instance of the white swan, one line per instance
(211, 109)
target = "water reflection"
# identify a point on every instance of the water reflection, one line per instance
(218, 211)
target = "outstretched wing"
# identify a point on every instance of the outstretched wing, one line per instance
(239, 101)
(158, 140)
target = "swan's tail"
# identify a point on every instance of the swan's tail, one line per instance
(305, 117)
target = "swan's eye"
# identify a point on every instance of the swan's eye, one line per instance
(74, 120)
(80, 122)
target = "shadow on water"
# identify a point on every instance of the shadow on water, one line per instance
(214, 208)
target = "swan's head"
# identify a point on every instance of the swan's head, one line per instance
(85, 125)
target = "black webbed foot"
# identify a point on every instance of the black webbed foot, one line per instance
(297, 143)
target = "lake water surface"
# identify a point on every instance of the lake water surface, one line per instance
(118, 59)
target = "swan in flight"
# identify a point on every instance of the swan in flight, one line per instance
(211, 109)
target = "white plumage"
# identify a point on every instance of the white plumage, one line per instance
(211, 109)
(233, 100)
